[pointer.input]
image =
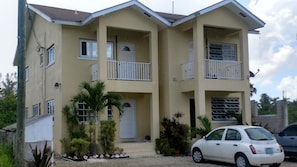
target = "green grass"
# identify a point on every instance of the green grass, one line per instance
(6, 155)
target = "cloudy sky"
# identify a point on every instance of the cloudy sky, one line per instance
(273, 51)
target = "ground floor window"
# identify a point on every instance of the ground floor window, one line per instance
(84, 113)
(36, 109)
(224, 109)
(109, 113)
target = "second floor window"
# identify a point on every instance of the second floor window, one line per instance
(51, 55)
(88, 49)
(220, 51)
(50, 106)
(27, 73)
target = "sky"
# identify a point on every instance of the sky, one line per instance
(273, 52)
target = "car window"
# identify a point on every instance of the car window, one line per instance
(290, 131)
(259, 134)
(232, 134)
(216, 135)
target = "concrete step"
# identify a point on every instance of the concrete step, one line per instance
(138, 149)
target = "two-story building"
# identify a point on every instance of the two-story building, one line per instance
(159, 63)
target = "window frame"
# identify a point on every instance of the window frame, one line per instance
(50, 106)
(89, 45)
(51, 55)
(226, 51)
(220, 112)
(84, 115)
(27, 73)
(36, 110)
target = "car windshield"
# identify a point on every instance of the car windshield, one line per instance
(259, 134)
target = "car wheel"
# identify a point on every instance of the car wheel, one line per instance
(242, 161)
(275, 165)
(197, 155)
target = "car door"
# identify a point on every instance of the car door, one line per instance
(230, 144)
(288, 138)
(212, 147)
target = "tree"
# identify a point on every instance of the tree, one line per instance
(8, 100)
(267, 104)
(292, 111)
(96, 99)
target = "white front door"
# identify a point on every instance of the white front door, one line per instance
(126, 56)
(128, 120)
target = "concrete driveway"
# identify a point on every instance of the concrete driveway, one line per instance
(156, 161)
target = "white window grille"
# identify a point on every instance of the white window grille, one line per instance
(51, 55)
(51, 106)
(88, 49)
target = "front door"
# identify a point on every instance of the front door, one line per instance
(128, 120)
(126, 58)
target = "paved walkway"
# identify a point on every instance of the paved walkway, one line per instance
(152, 161)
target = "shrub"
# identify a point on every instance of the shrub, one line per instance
(41, 158)
(202, 131)
(6, 155)
(107, 136)
(79, 146)
(174, 138)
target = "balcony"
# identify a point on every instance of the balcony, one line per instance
(133, 71)
(222, 69)
(215, 69)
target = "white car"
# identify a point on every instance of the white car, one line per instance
(241, 145)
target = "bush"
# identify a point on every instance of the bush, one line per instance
(107, 136)
(6, 155)
(79, 146)
(174, 139)
(41, 158)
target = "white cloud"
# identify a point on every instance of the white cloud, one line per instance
(273, 51)
(289, 86)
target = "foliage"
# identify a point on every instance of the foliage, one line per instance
(292, 111)
(79, 146)
(202, 131)
(107, 136)
(267, 105)
(41, 158)
(174, 138)
(96, 99)
(8, 101)
(6, 155)
(8, 110)
(75, 129)
(9, 85)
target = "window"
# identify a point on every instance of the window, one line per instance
(88, 49)
(36, 109)
(216, 135)
(109, 50)
(259, 134)
(50, 106)
(224, 109)
(109, 113)
(290, 131)
(220, 51)
(232, 135)
(26, 113)
(84, 114)
(51, 55)
(27, 73)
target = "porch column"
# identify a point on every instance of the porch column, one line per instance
(154, 117)
(246, 108)
(101, 45)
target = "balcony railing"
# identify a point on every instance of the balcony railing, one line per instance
(221, 69)
(122, 70)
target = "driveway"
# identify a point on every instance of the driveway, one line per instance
(157, 161)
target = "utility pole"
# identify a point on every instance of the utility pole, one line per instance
(21, 47)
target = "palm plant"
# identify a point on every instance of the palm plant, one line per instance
(96, 99)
